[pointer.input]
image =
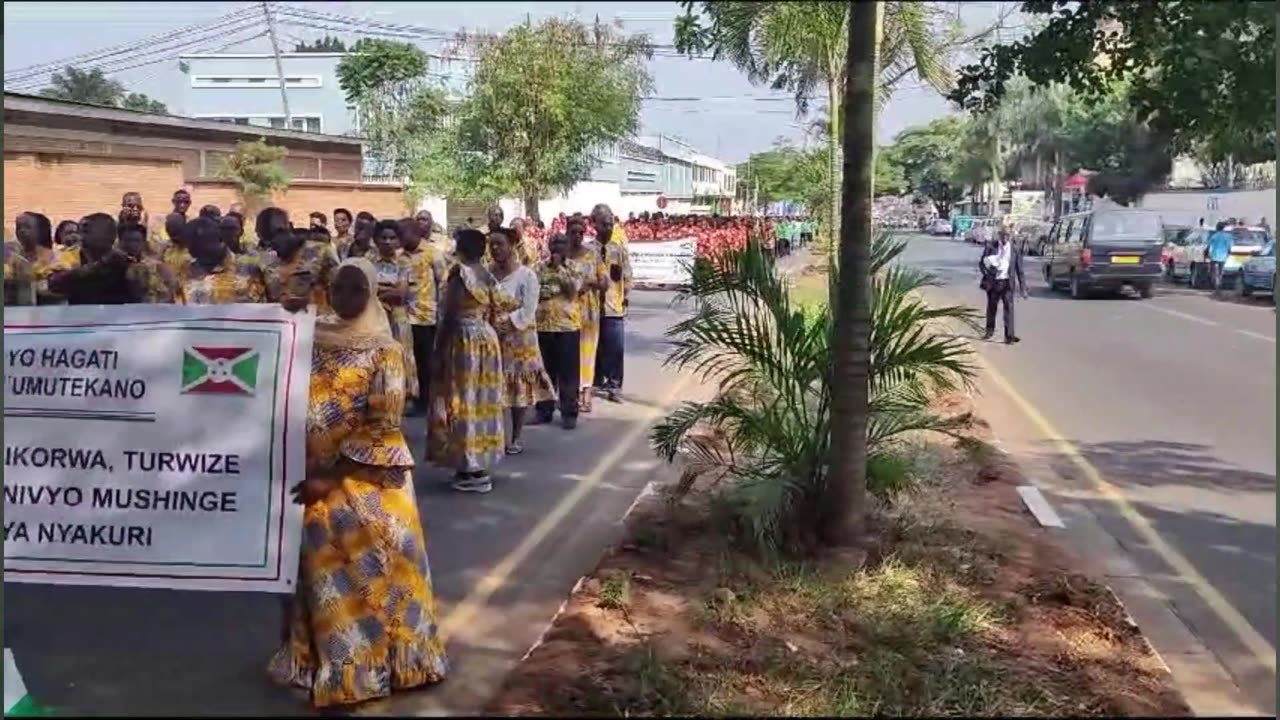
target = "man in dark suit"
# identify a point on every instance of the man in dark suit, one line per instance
(1001, 268)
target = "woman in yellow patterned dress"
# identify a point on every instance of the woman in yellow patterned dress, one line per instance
(526, 379)
(466, 426)
(363, 622)
(587, 263)
(394, 274)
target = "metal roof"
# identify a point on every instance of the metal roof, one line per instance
(17, 105)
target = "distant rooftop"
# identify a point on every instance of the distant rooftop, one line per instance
(33, 109)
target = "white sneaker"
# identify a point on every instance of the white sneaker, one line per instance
(475, 485)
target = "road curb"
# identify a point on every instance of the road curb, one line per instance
(649, 490)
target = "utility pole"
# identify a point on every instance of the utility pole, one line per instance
(275, 49)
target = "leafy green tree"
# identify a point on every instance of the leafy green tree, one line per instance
(1106, 136)
(926, 158)
(785, 174)
(1199, 71)
(403, 115)
(889, 178)
(544, 98)
(92, 87)
(326, 44)
(142, 103)
(257, 169)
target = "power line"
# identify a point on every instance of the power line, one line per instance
(29, 85)
(409, 31)
(123, 48)
(167, 49)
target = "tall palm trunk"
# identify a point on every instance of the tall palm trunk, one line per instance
(851, 351)
(833, 150)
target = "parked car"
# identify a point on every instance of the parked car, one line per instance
(1105, 249)
(1258, 274)
(1246, 241)
(1174, 255)
(939, 227)
(983, 229)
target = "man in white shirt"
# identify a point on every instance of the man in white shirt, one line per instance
(1001, 268)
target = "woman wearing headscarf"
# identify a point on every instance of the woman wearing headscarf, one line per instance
(363, 621)
(516, 323)
(468, 390)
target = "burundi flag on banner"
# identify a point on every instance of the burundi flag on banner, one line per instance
(220, 370)
(17, 703)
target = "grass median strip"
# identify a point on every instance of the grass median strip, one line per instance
(960, 606)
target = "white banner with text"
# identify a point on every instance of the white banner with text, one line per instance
(154, 445)
(665, 262)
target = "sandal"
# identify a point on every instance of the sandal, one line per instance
(584, 402)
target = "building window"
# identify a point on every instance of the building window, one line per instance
(255, 81)
(642, 176)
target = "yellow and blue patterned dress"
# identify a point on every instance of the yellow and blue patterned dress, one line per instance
(517, 326)
(466, 427)
(589, 267)
(364, 620)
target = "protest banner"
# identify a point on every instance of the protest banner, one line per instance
(661, 262)
(154, 445)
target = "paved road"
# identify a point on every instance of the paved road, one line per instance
(1172, 401)
(502, 564)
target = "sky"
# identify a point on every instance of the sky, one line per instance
(731, 120)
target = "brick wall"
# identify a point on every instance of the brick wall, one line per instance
(70, 187)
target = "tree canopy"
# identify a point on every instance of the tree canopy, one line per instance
(326, 44)
(92, 87)
(544, 97)
(926, 158)
(1199, 72)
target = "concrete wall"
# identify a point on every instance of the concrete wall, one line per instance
(1213, 205)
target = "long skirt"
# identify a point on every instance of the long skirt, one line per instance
(402, 331)
(589, 340)
(527, 380)
(466, 427)
(363, 622)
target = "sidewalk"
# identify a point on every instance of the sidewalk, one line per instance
(502, 563)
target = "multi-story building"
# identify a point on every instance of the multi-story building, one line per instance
(245, 89)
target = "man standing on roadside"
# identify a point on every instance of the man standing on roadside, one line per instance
(1218, 250)
(1001, 268)
(610, 356)
(428, 276)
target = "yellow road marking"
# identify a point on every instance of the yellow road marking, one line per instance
(1257, 645)
(465, 611)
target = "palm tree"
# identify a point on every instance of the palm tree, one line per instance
(766, 437)
(801, 47)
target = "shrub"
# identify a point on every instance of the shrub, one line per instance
(763, 440)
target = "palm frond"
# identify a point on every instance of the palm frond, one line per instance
(767, 431)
